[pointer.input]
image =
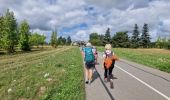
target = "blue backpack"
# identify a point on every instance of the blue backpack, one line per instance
(89, 56)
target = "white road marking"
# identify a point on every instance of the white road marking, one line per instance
(166, 97)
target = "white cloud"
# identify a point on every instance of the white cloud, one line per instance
(75, 13)
(119, 4)
(80, 35)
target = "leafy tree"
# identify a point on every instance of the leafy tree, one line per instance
(54, 39)
(159, 43)
(68, 40)
(33, 39)
(9, 32)
(107, 37)
(94, 39)
(36, 39)
(145, 37)
(165, 42)
(152, 45)
(135, 39)
(168, 43)
(42, 40)
(1, 27)
(101, 38)
(60, 40)
(24, 36)
(63, 41)
(121, 39)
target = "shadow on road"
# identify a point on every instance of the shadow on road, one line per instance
(114, 77)
(106, 88)
(95, 75)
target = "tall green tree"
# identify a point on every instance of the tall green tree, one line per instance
(24, 36)
(33, 39)
(1, 27)
(36, 39)
(159, 42)
(61, 40)
(94, 39)
(68, 40)
(145, 37)
(135, 39)
(168, 43)
(121, 39)
(101, 38)
(164, 42)
(42, 40)
(54, 39)
(107, 37)
(9, 32)
(64, 40)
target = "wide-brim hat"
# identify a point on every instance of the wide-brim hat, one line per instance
(88, 44)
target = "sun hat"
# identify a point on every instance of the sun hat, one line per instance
(108, 46)
(88, 44)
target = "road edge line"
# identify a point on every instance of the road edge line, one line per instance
(166, 97)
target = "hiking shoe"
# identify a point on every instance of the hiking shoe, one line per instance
(90, 81)
(111, 76)
(87, 82)
(105, 80)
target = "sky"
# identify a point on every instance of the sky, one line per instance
(79, 18)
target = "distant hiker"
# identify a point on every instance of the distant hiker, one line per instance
(95, 54)
(89, 62)
(108, 62)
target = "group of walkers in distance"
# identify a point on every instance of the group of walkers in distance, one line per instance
(90, 56)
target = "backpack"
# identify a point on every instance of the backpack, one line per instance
(108, 60)
(89, 56)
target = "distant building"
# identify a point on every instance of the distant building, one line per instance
(78, 43)
(74, 44)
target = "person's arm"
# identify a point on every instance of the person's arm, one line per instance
(115, 57)
(82, 53)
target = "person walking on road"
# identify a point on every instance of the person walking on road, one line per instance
(108, 63)
(89, 62)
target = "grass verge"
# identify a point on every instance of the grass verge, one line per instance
(156, 58)
(54, 76)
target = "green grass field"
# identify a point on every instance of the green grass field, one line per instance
(156, 58)
(54, 74)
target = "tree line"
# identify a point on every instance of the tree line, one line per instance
(136, 40)
(14, 35)
(59, 41)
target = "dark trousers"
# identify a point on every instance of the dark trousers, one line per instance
(110, 70)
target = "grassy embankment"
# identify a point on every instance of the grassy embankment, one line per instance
(54, 74)
(156, 58)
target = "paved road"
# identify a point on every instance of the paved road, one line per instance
(132, 81)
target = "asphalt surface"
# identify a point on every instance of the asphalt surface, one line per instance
(132, 81)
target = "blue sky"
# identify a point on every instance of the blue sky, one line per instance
(79, 18)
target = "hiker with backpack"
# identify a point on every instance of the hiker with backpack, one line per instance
(109, 59)
(89, 62)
